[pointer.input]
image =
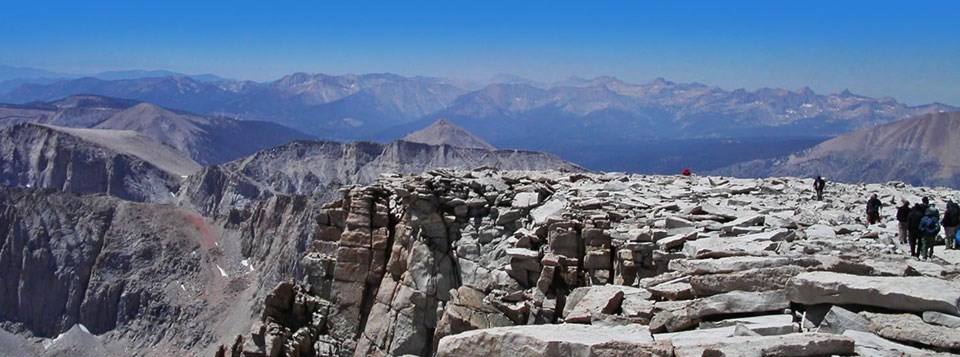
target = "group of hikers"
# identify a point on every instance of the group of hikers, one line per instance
(919, 225)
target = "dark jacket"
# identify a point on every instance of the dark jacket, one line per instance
(913, 220)
(873, 206)
(951, 217)
(903, 213)
(819, 184)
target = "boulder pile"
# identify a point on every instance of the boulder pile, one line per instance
(495, 263)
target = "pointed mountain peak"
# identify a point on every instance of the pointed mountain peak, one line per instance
(443, 132)
(846, 94)
(660, 81)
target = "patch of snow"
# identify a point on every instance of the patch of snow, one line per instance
(216, 244)
(222, 272)
(28, 185)
(83, 328)
(172, 194)
(184, 288)
(245, 262)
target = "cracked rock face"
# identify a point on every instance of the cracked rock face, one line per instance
(425, 264)
(72, 160)
(133, 274)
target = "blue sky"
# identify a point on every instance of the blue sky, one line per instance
(909, 50)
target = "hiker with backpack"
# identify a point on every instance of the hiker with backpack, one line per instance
(930, 226)
(913, 228)
(873, 209)
(903, 213)
(818, 184)
(951, 218)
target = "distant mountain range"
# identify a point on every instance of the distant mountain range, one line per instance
(205, 139)
(923, 151)
(13, 77)
(591, 121)
(27, 74)
(333, 107)
(354, 106)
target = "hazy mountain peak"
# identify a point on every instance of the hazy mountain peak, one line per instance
(846, 94)
(509, 78)
(660, 81)
(443, 132)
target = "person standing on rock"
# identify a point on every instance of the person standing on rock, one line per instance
(930, 226)
(913, 228)
(951, 218)
(818, 184)
(903, 214)
(873, 209)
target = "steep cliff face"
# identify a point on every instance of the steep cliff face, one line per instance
(317, 169)
(142, 278)
(78, 161)
(138, 275)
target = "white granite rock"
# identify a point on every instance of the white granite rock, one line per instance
(914, 294)
(796, 344)
(555, 340)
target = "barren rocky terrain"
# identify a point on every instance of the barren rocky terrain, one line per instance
(530, 263)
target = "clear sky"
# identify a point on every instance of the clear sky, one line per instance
(909, 50)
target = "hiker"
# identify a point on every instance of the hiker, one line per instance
(913, 228)
(818, 186)
(873, 209)
(903, 213)
(951, 218)
(930, 226)
(686, 172)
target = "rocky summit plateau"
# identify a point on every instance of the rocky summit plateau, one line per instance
(529, 263)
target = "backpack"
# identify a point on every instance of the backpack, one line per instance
(930, 225)
(956, 237)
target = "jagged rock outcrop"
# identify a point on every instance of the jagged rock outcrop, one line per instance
(318, 168)
(413, 264)
(119, 163)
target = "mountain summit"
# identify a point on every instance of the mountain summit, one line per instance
(444, 132)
